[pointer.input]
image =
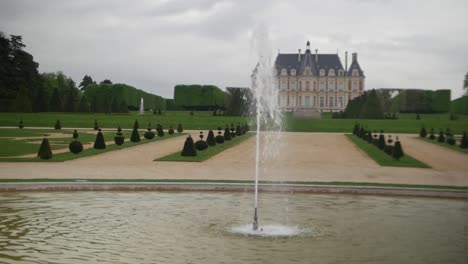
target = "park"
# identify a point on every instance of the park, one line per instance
(153, 136)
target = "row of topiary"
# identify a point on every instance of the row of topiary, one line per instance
(190, 147)
(447, 137)
(393, 149)
(76, 146)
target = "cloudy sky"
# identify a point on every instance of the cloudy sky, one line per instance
(155, 44)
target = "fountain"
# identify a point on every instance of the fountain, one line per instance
(268, 116)
(142, 108)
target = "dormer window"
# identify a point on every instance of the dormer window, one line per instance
(340, 73)
(307, 71)
(284, 72)
(293, 72)
(322, 72)
(331, 72)
(355, 72)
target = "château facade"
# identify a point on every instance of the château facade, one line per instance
(316, 82)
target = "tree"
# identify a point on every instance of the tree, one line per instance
(211, 139)
(115, 107)
(23, 104)
(106, 81)
(40, 102)
(72, 97)
(45, 151)
(465, 83)
(189, 148)
(87, 80)
(99, 143)
(84, 105)
(56, 103)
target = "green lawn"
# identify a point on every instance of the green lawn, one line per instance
(10, 147)
(200, 120)
(382, 158)
(455, 147)
(207, 153)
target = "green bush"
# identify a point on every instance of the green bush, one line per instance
(356, 129)
(432, 134)
(441, 137)
(21, 125)
(180, 129)
(149, 134)
(171, 130)
(201, 144)
(238, 130)
(460, 105)
(369, 136)
(227, 134)
(57, 125)
(119, 138)
(75, 147)
(96, 126)
(397, 150)
(211, 139)
(423, 132)
(219, 138)
(136, 125)
(135, 137)
(199, 97)
(381, 143)
(99, 143)
(233, 131)
(160, 130)
(464, 141)
(45, 151)
(189, 147)
(451, 139)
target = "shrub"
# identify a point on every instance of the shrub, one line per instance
(219, 138)
(171, 130)
(211, 139)
(99, 143)
(362, 133)
(369, 136)
(464, 141)
(180, 129)
(381, 143)
(75, 134)
(356, 129)
(21, 125)
(57, 125)
(189, 147)
(423, 132)
(227, 134)
(96, 126)
(136, 125)
(238, 130)
(201, 144)
(233, 131)
(75, 147)
(397, 150)
(135, 137)
(451, 140)
(160, 130)
(149, 134)
(45, 151)
(431, 134)
(441, 137)
(119, 138)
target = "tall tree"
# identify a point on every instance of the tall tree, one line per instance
(84, 104)
(23, 103)
(87, 80)
(56, 103)
(465, 84)
(106, 81)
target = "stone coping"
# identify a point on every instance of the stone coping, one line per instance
(229, 187)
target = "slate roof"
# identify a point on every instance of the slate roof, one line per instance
(325, 61)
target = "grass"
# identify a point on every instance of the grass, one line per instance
(455, 147)
(382, 158)
(350, 184)
(207, 153)
(200, 120)
(89, 151)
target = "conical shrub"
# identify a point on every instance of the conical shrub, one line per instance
(201, 144)
(381, 143)
(99, 143)
(189, 148)
(441, 137)
(397, 150)
(180, 129)
(432, 134)
(227, 134)
(119, 137)
(238, 130)
(464, 141)
(423, 132)
(210, 140)
(135, 137)
(57, 125)
(136, 125)
(45, 152)
(170, 131)
(219, 138)
(451, 139)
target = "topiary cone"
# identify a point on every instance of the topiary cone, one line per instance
(211, 139)
(227, 134)
(135, 137)
(397, 152)
(45, 151)
(189, 148)
(99, 143)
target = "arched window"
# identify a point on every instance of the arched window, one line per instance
(331, 72)
(293, 72)
(340, 73)
(322, 72)
(355, 72)
(284, 72)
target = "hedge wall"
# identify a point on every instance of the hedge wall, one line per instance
(460, 105)
(199, 97)
(421, 101)
(104, 96)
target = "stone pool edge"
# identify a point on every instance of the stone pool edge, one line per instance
(230, 187)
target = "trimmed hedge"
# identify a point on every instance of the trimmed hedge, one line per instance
(421, 101)
(199, 97)
(460, 105)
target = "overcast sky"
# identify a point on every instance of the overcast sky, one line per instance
(155, 44)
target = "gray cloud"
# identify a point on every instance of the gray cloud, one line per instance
(154, 45)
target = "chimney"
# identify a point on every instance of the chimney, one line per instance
(355, 56)
(346, 61)
(316, 55)
(299, 56)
